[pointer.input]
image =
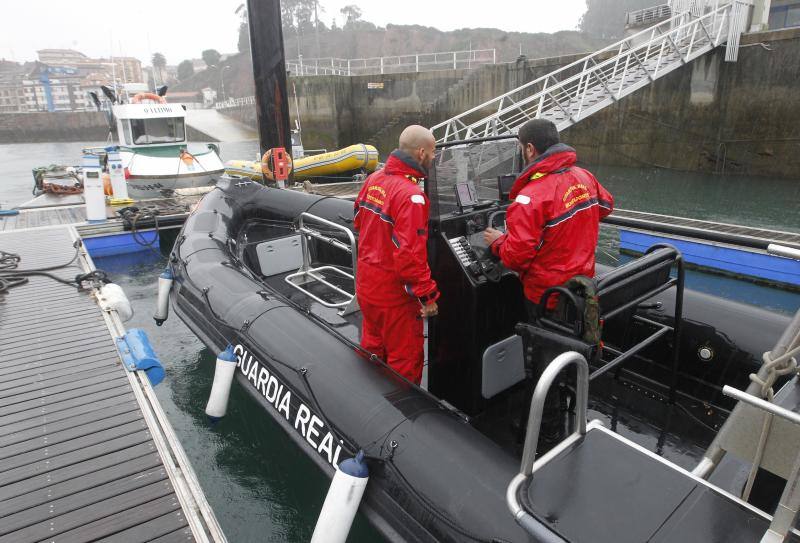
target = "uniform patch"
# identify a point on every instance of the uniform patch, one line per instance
(522, 199)
(417, 199)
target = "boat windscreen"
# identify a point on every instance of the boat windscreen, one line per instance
(158, 130)
(482, 163)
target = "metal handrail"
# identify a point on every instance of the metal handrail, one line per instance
(235, 102)
(532, 434)
(306, 270)
(764, 405)
(786, 513)
(648, 14)
(611, 69)
(413, 62)
(353, 250)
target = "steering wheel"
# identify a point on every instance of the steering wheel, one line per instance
(490, 222)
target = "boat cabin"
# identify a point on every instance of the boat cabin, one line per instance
(156, 124)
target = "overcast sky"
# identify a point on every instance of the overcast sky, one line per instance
(181, 29)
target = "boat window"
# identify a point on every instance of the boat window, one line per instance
(480, 163)
(126, 128)
(162, 130)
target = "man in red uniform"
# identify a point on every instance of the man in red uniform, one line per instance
(553, 222)
(393, 282)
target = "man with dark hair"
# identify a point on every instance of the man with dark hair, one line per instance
(393, 284)
(553, 222)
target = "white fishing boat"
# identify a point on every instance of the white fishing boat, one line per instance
(156, 157)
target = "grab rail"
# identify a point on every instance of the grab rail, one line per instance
(786, 513)
(549, 375)
(306, 271)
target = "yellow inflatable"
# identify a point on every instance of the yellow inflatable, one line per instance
(351, 158)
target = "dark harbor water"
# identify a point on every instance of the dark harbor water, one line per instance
(260, 485)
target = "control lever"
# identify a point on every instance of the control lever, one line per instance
(491, 270)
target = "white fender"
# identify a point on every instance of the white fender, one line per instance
(112, 298)
(162, 306)
(221, 388)
(341, 503)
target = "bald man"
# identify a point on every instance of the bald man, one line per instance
(393, 284)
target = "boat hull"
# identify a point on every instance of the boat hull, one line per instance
(433, 476)
(158, 171)
(144, 187)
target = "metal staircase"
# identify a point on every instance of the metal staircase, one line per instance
(586, 86)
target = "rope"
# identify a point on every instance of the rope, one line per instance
(12, 276)
(783, 365)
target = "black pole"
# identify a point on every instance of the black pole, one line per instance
(269, 73)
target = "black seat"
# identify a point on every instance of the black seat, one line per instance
(586, 305)
(604, 490)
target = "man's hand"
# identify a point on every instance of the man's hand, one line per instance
(430, 310)
(490, 235)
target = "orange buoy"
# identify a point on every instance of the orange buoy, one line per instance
(187, 157)
(276, 164)
(149, 96)
(107, 188)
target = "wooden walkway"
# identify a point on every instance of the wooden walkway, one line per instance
(169, 210)
(86, 454)
(695, 228)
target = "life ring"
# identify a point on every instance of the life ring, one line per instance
(138, 98)
(276, 159)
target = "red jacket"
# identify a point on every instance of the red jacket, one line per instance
(391, 216)
(553, 222)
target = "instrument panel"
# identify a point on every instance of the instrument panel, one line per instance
(464, 235)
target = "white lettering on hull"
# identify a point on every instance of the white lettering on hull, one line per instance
(310, 426)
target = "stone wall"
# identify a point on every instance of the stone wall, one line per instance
(58, 126)
(710, 115)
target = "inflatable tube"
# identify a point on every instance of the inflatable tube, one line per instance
(436, 477)
(352, 158)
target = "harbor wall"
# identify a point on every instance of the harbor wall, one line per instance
(58, 126)
(708, 116)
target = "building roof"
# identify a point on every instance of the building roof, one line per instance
(61, 52)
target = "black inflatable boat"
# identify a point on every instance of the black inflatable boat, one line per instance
(270, 272)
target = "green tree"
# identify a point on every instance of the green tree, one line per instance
(185, 70)
(159, 63)
(297, 14)
(211, 57)
(352, 14)
(606, 18)
(243, 43)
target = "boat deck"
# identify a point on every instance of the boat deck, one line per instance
(86, 453)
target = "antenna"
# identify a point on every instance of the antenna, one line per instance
(124, 75)
(296, 107)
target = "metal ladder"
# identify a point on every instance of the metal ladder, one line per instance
(572, 93)
(306, 274)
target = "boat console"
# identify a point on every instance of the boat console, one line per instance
(481, 301)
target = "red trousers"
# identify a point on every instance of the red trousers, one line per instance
(395, 335)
